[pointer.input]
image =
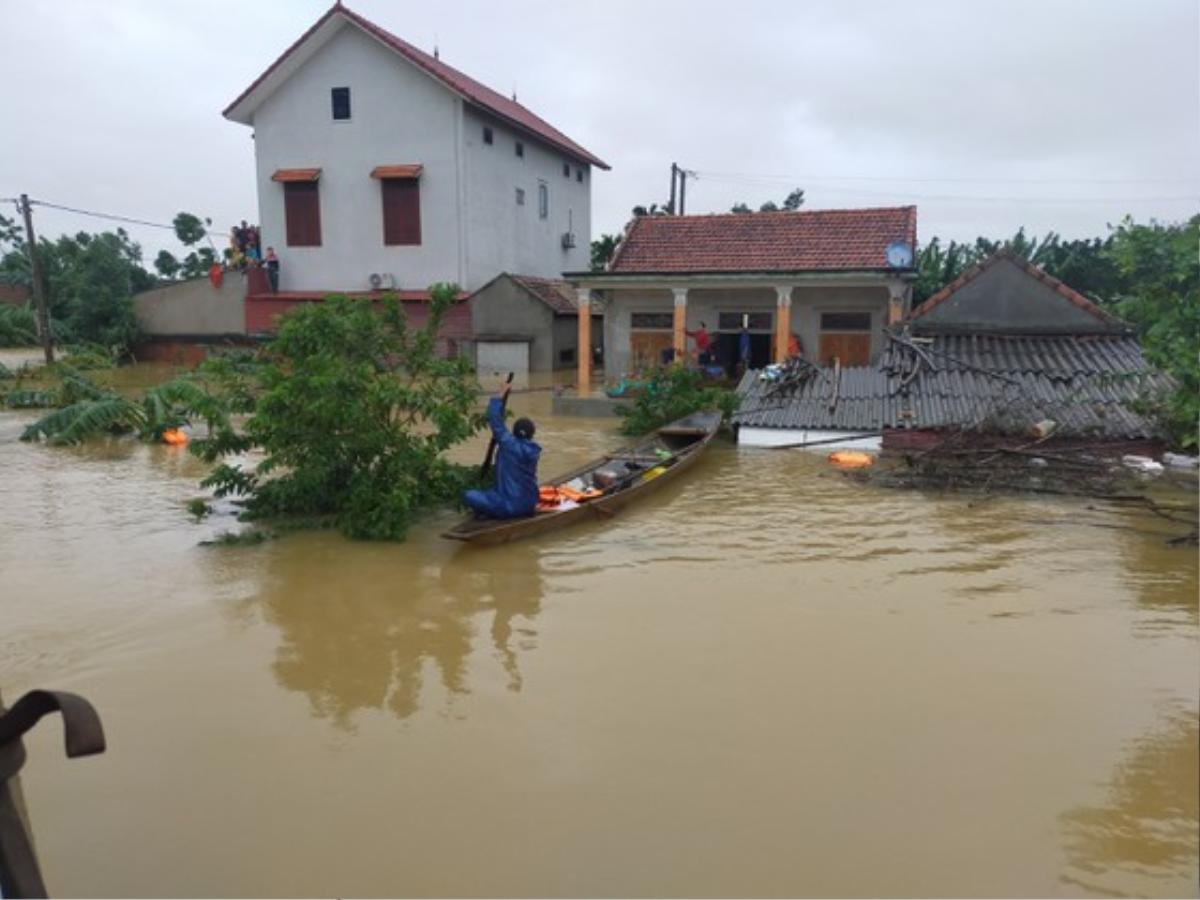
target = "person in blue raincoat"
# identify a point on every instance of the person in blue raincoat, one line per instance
(516, 489)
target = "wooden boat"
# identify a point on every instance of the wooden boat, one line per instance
(657, 459)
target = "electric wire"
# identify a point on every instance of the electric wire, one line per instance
(99, 215)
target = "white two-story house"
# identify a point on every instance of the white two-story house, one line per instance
(380, 166)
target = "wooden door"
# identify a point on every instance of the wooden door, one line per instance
(852, 349)
(646, 348)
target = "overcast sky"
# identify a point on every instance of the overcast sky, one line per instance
(1052, 115)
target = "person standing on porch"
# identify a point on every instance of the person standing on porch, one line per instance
(703, 342)
(744, 348)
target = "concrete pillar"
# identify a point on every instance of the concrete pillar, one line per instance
(680, 322)
(783, 321)
(583, 353)
(897, 292)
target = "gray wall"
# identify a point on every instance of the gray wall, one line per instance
(503, 308)
(1005, 297)
(193, 308)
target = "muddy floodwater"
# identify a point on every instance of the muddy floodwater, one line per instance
(766, 679)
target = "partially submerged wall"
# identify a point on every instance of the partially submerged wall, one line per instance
(193, 309)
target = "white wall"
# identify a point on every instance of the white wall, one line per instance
(790, 437)
(398, 115)
(504, 237)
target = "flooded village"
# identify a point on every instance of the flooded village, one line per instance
(809, 555)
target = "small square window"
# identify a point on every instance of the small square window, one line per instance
(520, 196)
(566, 170)
(487, 135)
(340, 100)
(520, 149)
(579, 175)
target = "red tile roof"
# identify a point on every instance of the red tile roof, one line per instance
(296, 175)
(558, 295)
(1049, 280)
(471, 90)
(826, 239)
(402, 171)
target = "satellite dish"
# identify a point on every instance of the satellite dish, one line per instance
(899, 255)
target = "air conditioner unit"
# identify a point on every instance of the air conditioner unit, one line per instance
(381, 281)
(568, 240)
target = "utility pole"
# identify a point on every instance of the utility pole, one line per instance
(39, 293)
(671, 205)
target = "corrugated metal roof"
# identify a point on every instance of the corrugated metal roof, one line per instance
(1087, 384)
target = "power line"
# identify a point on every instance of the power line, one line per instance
(100, 215)
(944, 180)
(965, 198)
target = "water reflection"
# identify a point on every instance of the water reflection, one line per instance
(361, 626)
(1146, 835)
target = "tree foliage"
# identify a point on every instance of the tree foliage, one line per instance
(603, 249)
(1160, 271)
(90, 280)
(354, 412)
(792, 202)
(671, 393)
(1085, 264)
(18, 326)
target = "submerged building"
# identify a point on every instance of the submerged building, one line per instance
(999, 350)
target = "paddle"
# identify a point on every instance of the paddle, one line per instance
(491, 450)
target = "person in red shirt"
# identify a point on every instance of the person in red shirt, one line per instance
(703, 342)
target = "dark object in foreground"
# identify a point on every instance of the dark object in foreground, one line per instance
(646, 466)
(83, 735)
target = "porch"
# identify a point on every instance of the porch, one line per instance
(648, 322)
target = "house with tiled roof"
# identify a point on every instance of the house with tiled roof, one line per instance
(827, 279)
(380, 166)
(1000, 350)
(522, 323)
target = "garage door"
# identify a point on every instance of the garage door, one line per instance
(502, 356)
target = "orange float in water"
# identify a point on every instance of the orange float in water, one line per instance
(175, 437)
(851, 459)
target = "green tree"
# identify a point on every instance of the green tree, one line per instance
(354, 412)
(603, 249)
(1161, 295)
(190, 229)
(90, 280)
(792, 202)
(167, 265)
(671, 393)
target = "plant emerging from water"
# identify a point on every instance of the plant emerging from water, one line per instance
(82, 407)
(353, 411)
(671, 393)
